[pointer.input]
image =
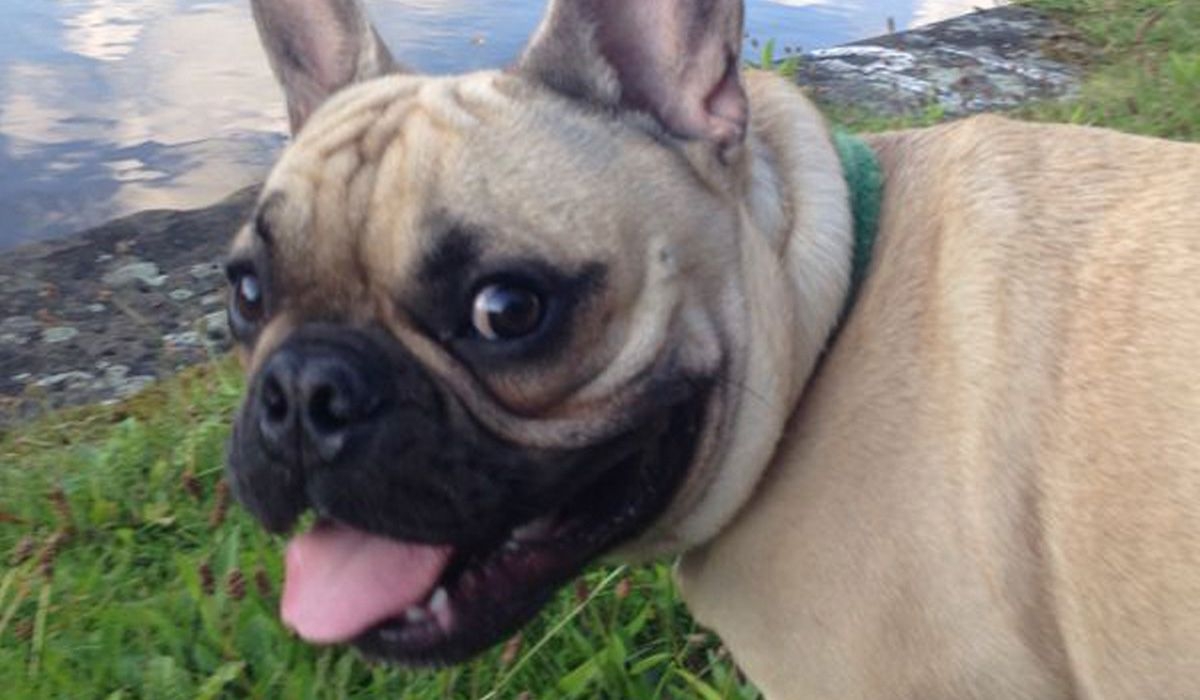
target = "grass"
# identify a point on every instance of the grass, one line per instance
(1147, 78)
(128, 575)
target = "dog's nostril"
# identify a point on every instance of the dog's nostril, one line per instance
(330, 410)
(275, 401)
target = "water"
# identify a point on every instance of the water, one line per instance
(108, 107)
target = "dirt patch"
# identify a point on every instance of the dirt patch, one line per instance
(97, 316)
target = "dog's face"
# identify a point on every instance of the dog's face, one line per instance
(488, 320)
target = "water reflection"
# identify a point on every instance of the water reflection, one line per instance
(108, 107)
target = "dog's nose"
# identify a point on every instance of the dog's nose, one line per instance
(312, 400)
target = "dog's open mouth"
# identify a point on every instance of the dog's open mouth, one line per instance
(435, 604)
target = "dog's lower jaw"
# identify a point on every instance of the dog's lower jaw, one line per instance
(483, 598)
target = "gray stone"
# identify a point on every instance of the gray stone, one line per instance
(115, 374)
(216, 326)
(97, 308)
(182, 340)
(206, 270)
(990, 60)
(59, 334)
(181, 294)
(17, 330)
(209, 300)
(66, 380)
(128, 387)
(21, 325)
(132, 273)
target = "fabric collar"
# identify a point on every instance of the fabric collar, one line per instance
(864, 178)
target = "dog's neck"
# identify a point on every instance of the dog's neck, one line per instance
(797, 249)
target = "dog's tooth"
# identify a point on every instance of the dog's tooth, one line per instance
(439, 605)
(416, 614)
(533, 530)
(439, 601)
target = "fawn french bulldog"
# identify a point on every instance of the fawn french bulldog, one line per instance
(604, 304)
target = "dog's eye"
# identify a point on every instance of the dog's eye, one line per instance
(246, 308)
(506, 312)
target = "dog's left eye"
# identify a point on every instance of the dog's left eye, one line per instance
(506, 312)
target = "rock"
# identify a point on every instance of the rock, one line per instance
(17, 330)
(181, 294)
(125, 388)
(206, 270)
(988, 60)
(145, 272)
(182, 341)
(115, 374)
(59, 334)
(66, 380)
(216, 327)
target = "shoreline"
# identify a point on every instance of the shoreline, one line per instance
(96, 316)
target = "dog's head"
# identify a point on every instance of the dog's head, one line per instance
(497, 325)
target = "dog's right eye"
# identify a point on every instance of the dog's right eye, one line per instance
(506, 312)
(247, 306)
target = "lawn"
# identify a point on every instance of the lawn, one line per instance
(130, 575)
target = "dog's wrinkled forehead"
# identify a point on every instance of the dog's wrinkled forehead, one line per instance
(403, 174)
(352, 196)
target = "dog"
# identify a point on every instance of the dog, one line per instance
(604, 304)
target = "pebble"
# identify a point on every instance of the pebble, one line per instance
(145, 272)
(181, 340)
(71, 379)
(205, 270)
(59, 334)
(216, 326)
(128, 387)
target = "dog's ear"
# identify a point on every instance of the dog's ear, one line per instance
(676, 60)
(317, 47)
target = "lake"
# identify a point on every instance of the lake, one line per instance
(108, 107)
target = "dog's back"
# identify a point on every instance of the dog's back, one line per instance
(992, 486)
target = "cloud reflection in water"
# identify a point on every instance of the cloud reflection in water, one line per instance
(108, 107)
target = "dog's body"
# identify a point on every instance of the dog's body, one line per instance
(987, 486)
(991, 488)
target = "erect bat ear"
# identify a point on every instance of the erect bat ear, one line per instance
(317, 47)
(676, 60)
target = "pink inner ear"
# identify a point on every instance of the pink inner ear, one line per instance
(727, 105)
(676, 64)
(327, 46)
(317, 47)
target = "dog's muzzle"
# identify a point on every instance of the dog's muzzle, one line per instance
(434, 537)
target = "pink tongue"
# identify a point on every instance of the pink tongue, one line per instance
(340, 582)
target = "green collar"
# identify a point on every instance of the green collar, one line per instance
(864, 177)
